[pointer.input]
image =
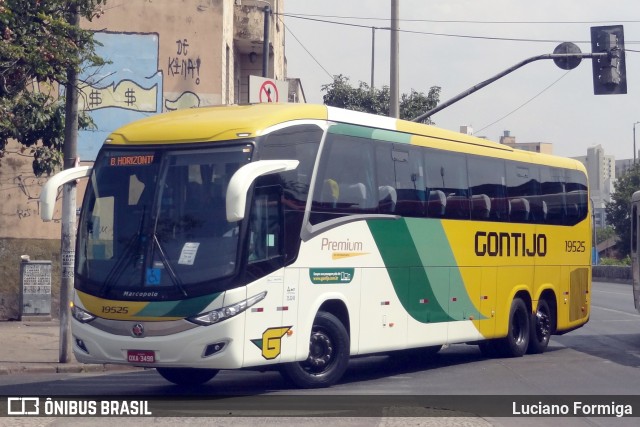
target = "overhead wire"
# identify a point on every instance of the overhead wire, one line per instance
(286, 27)
(315, 18)
(459, 21)
(430, 33)
(523, 104)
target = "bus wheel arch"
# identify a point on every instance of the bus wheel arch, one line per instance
(516, 342)
(328, 358)
(543, 323)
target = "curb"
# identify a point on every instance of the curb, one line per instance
(58, 368)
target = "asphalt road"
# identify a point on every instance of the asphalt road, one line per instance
(601, 359)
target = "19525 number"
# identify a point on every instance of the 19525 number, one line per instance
(574, 246)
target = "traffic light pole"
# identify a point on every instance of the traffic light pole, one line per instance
(554, 56)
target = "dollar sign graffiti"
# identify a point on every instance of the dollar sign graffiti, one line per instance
(94, 99)
(131, 99)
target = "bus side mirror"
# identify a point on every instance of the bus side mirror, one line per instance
(244, 177)
(50, 189)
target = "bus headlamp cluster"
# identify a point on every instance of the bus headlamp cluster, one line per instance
(81, 315)
(226, 312)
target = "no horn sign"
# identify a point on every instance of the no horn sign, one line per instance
(267, 90)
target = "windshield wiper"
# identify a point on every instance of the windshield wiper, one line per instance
(165, 262)
(134, 243)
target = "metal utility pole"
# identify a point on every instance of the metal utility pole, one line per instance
(394, 106)
(265, 42)
(634, 142)
(68, 237)
(373, 55)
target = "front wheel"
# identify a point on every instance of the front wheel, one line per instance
(517, 340)
(541, 328)
(328, 355)
(187, 376)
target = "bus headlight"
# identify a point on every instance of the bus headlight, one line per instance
(226, 312)
(81, 315)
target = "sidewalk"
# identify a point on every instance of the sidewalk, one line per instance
(33, 347)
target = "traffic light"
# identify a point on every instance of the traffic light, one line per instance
(609, 72)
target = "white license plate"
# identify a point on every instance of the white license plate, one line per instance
(141, 356)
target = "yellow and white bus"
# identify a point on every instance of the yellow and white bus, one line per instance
(300, 235)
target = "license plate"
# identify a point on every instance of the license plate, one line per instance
(141, 356)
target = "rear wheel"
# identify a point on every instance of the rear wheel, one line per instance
(541, 328)
(328, 355)
(517, 340)
(187, 376)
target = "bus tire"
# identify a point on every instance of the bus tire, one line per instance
(187, 376)
(541, 328)
(328, 355)
(517, 340)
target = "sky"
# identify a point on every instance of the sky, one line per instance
(537, 103)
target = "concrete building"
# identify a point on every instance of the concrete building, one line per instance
(163, 55)
(601, 169)
(536, 147)
(622, 166)
(166, 55)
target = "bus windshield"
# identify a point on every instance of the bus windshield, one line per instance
(153, 223)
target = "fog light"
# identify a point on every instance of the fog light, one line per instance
(81, 346)
(212, 349)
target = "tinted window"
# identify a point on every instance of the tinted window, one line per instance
(410, 181)
(523, 189)
(487, 185)
(386, 177)
(576, 197)
(292, 143)
(345, 182)
(552, 194)
(447, 181)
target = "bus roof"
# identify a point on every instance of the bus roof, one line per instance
(229, 122)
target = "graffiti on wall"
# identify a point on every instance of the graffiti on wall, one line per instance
(127, 88)
(184, 66)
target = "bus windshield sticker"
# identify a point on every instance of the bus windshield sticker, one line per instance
(331, 275)
(153, 276)
(188, 253)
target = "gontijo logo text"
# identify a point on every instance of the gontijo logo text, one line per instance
(510, 244)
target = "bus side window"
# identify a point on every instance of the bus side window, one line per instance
(265, 226)
(345, 182)
(523, 193)
(386, 180)
(410, 181)
(488, 188)
(447, 173)
(577, 200)
(552, 185)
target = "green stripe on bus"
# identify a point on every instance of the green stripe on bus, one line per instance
(434, 250)
(423, 270)
(370, 133)
(185, 308)
(409, 278)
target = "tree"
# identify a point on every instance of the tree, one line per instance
(37, 47)
(341, 94)
(619, 209)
